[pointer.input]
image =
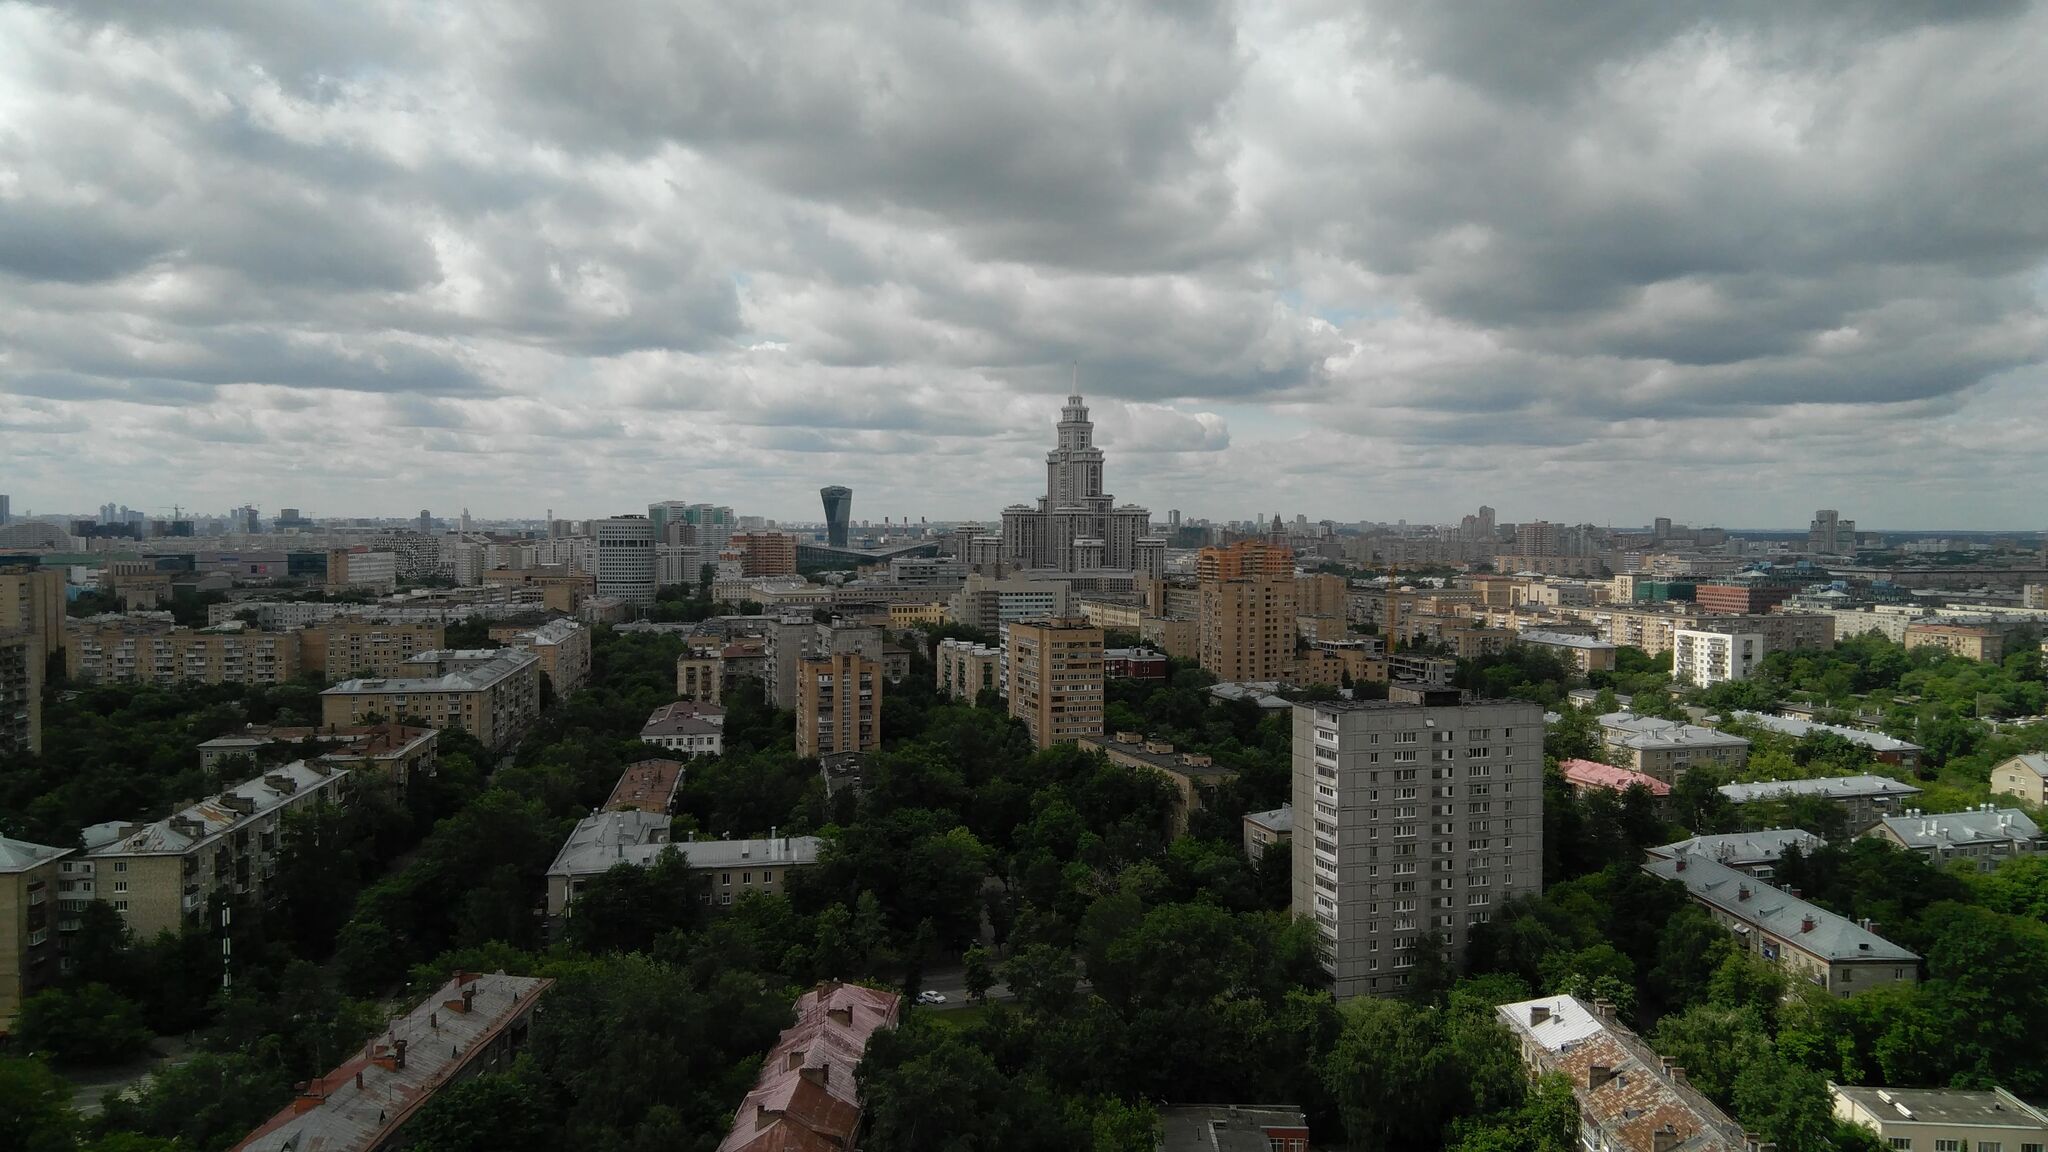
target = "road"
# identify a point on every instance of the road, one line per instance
(951, 982)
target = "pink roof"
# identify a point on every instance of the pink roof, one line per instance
(1593, 774)
(805, 1098)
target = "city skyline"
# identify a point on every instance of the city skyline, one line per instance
(1372, 263)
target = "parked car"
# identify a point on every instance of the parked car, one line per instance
(930, 997)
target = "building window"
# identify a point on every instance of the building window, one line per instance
(120, 885)
(120, 905)
(1948, 1146)
(120, 865)
(1904, 1143)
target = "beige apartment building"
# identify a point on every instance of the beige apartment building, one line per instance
(1247, 630)
(1972, 641)
(700, 675)
(911, 615)
(1177, 637)
(21, 691)
(32, 601)
(157, 875)
(839, 704)
(491, 693)
(1056, 678)
(2024, 776)
(1668, 749)
(562, 587)
(1321, 594)
(28, 912)
(1941, 1119)
(966, 669)
(154, 651)
(563, 647)
(359, 646)
(1188, 772)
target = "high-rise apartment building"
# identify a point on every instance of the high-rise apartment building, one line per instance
(1076, 524)
(625, 558)
(29, 884)
(21, 692)
(1538, 539)
(1246, 610)
(1055, 679)
(838, 512)
(839, 704)
(6, 510)
(1415, 817)
(32, 601)
(1703, 659)
(1830, 535)
(764, 553)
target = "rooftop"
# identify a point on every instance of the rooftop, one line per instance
(806, 1098)
(648, 786)
(1795, 727)
(2035, 762)
(20, 855)
(683, 718)
(1996, 1108)
(1805, 926)
(467, 671)
(1739, 848)
(359, 1105)
(1280, 819)
(1159, 754)
(554, 631)
(1624, 1088)
(1986, 825)
(605, 839)
(186, 829)
(1828, 787)
(1643, 733)
(1564, 640)
(1593, 774)
(1225, 1127)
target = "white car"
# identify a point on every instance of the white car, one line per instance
(930, 997)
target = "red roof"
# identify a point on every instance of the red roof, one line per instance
(805, 1099)
(1593, 774)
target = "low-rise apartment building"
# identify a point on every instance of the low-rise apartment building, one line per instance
(491, 693)
(1055, 671)
(687, 728)
(1983, 642)
(729, 868)
(807, 1096)
(911, 615)
(1884, 749)
(563, 647)
(1263, 830)
(1752, 853)
(1178, 638)
(29, 888)
(1943, 1119)
(1188, 772)
(700, 674)
(157, 875)
(1864, 799)
(1585, 653)
(647, 786)
(1630, 1098)
(153, 650)
(366, 646)
(1668, 749)
(1987, 835)
(473, 1026)
(965, 669)
(2024, 776)
(1592, 776)
(1232, 1128)
(1831, 951)
(562, 587)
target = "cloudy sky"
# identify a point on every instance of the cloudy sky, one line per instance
(1578, 261)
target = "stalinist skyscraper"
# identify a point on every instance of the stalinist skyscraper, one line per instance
(1077, 526)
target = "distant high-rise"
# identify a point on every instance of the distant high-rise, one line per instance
(625, 558)
(1830, 535)
(1075, 519)
(1246, 598)
(426, 522)
(5, 514)
(838, 508)
(465, 519)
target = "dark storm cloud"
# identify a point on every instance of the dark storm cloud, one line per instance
(1513, 243)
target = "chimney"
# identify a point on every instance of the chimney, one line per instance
(796, 1058)
(1680, 866)
(1598, 1074)
(1678, 1075)
(1806, 924)
(398, 1053)
(434, 1021)
(1742, 893)
(469, 998)
(1792, 892)
(1538, 1014)
(1603, 1008)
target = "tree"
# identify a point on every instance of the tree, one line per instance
(980, 974)
(1042, 978)
(496, 1113)
(92, 1024)
(35, 1107)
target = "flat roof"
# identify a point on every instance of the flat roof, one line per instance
(606, 839)
(648, 786)
(491, 666)
(1828, 787)
(1793, 726)
(1997, 1108)
(1562, 639)
(1280, 819)
(1173, 761)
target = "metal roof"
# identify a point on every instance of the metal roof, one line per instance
(1986, 825)
(1801, 925)
(1827, 787)
(1795, 727)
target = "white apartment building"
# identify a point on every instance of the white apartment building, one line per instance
(1413, 816)
(1703, 659)
(625, 558)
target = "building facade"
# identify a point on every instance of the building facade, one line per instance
(491, 693)
(1247, 610)
(1971, 641)
(1943, 1119)
(1864, 799)
(965, 669)
(563, 647)
(1414, 818)
(365, 646)
(1668, 749)
(21, 691)
(625, 559)
(1703, 659)
(154, 651)
(2024, 776)
(839, 704)
(764, 553)
(1076, 525)
(32, 601)
(1056, 678)
(1985, 836)
(838, 513)
(29, 888)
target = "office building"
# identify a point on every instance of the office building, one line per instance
(348, 569)
(1414, 818)
(1986, 836)
(491, 693)
(625, 559)
(21, 692)
(807, 1096)
(1751, 853)
(965, 669)
(730, 868)
(1247, 609)
(152, 650)
(987, 603)
(1830, 535)
(160, 875)
(1864, 799)
(1833, 952)
(365, 645)
(473, 1026)
(1943, 1119)
(1076, 525)
(29, 888)
(1703, 659)
(1630, 1099)
(838, 512)
(1056, 678)
(764, 553)
(839, 704)
(563, 647)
